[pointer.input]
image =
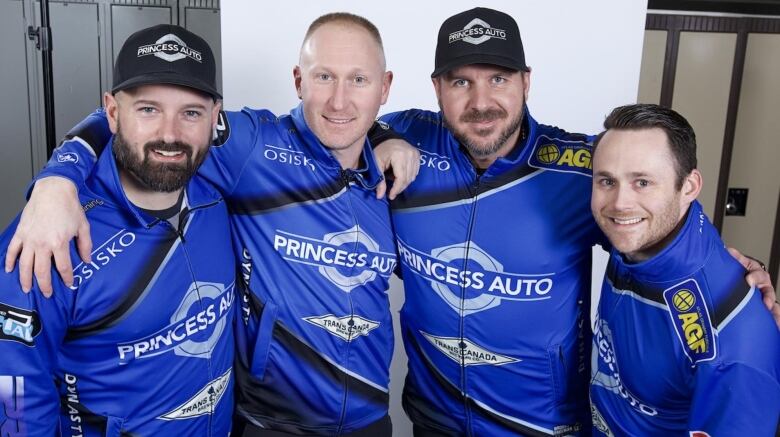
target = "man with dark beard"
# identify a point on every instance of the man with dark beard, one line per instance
(142, 342)
(495, 240)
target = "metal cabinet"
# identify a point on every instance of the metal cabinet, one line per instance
(86, 35)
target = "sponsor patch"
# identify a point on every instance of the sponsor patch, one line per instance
(605, 369)
(484, 281)
(68, 157)
(430, 160)
(195, 327)
(289, 156)
(691, 320)
(598, 421)
(109, 250)
(169, 48)
(564, 156)
(347, 328)
(471, 353)
(476, 32)
(204, 402)
(567, 430)
(19, 325)
(348, 259)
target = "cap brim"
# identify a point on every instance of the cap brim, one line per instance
(169, 78)
(480, 58)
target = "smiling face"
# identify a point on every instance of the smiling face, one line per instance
(483, 108)
(342, 82)
(636, 199)
(162, 133)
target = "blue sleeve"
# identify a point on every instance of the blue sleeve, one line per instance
(394, 120)
(734, 399)
(237, 133)
(33, 328)
(75, 157)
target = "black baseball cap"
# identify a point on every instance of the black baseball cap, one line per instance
(166, 54)
(479, 36)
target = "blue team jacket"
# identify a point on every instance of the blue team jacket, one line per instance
(496, 273)
(683, 345)
(315, 250)
(142, 343)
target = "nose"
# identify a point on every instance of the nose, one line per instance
(170, 129)
(623, 199)
(338, 100)
(480, 97)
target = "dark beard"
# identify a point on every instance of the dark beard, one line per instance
(160, 177)
(478, 116)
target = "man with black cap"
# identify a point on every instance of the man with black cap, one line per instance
(314, 242)
(495, 320)
(495, 316)
(142, 342)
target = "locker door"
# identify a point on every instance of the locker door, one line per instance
(652, 70)
(756, 154)
(701, 93)
(75, 62)
(15, 149)
(206, 23)
(126, 20)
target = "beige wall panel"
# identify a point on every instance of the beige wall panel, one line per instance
(757, 148)
(701, 94)
(652, 70)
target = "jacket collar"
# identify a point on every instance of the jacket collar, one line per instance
(367, 174)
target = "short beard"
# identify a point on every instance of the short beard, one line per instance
(159, 177)
(474, 115)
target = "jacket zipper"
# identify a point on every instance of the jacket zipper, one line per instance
(345, 179)
(179, 231)
(462, 320)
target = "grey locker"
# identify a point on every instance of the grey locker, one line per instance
(15, 153)
(86, 34)
(126, 20)
(206, 23)
(75, 62)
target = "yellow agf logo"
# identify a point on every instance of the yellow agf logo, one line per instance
(570, 156)
(695, 336)
(683, 300)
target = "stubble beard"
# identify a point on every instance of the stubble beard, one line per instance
(475, 149)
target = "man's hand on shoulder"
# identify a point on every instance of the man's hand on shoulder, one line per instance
(403, 158)
(52, 217)
(758, 277)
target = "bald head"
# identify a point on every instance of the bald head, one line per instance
(344, 21)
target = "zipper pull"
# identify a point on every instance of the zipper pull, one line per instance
(345, 177)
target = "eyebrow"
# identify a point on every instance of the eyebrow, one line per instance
(157, 103)
(634, 174)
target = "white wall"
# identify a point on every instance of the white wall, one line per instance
(585, 57)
